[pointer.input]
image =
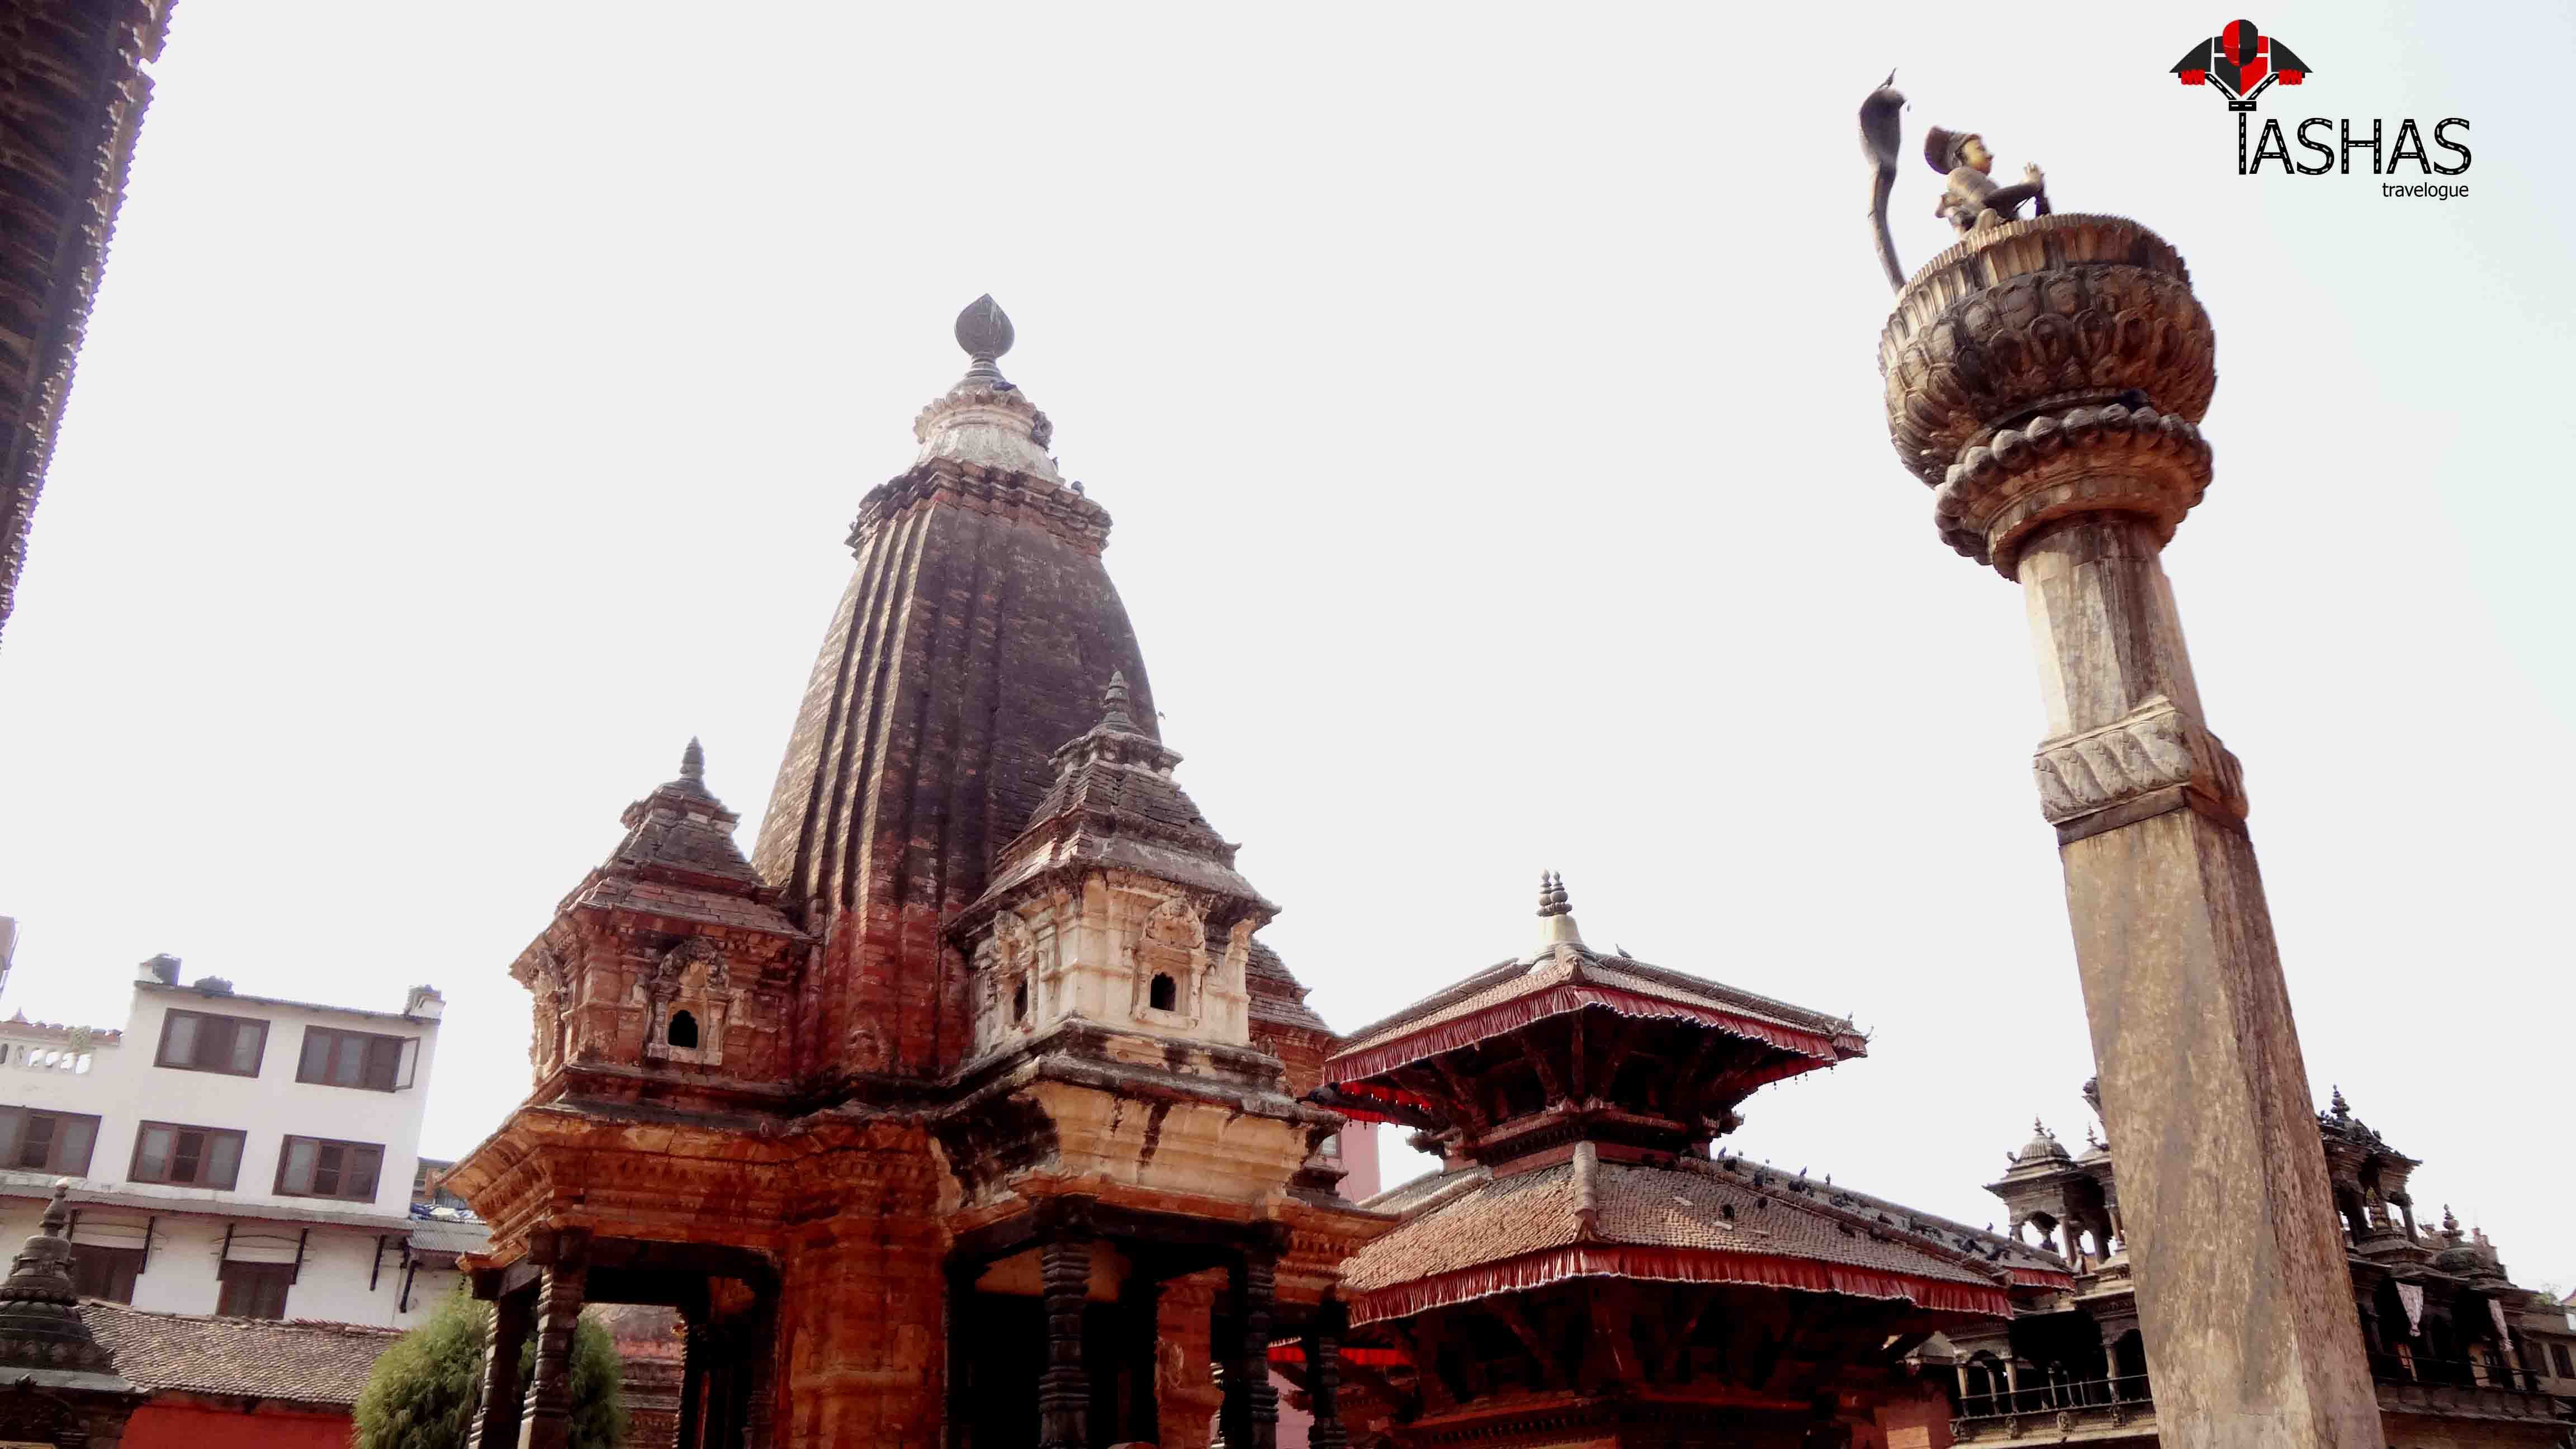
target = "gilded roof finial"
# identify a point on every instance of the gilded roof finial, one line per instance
(1113, 703)
(984, 330)
(693, 761)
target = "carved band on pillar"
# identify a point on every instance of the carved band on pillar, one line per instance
(546, 1422)
(1250, 1416)
(1064, 1389)
(496, 1407)
(1324, 1377)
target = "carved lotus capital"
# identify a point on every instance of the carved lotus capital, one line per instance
(2029, 334)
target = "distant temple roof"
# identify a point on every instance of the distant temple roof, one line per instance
(299, 1361)
(1568, 976)
(1475, 1235)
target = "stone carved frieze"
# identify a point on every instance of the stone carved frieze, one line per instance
(691, 981)
(2154, 747)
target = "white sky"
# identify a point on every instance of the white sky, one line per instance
(1488, 400)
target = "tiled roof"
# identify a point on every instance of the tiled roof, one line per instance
(1277, 996)
(1429, 1026)
(1650, 1207)
(299, 1360)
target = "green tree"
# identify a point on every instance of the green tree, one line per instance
(420, 1395)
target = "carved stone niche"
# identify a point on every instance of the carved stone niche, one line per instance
(1006, 982)
(688, 1002)
(1168, 966)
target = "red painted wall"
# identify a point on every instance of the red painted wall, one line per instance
(163, 1425)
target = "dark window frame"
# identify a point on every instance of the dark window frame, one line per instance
(233, 1026)
(241, 1146)
(249, 1288)
(340, 1172)
(112, 1271)
(397, 1059)
(2558, 1361)
(54, 1163)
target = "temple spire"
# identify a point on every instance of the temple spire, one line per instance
(1113, 703)
(40, 1319)
(985, 420)
(693, 761)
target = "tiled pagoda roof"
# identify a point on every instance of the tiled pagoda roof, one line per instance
(1472, 1234)
(1568, 976)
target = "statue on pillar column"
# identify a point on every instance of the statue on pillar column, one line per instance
(2045, 378)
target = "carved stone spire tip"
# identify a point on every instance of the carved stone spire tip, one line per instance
(984, 330)
(1113, 702)
(693, 761)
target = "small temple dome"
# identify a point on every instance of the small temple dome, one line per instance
(2042, 1147)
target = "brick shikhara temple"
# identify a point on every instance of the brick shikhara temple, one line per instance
(968, 1111)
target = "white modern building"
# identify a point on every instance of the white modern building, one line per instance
(233, 1154)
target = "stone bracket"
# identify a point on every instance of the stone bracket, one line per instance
(2152, 749)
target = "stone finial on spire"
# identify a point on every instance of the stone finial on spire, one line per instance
(1556, 910)
(1113, 703)
(984, 330)
(693, 761)
(2339, 1106)
(40, 1320)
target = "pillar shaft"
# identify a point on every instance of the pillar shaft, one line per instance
(685, 1434)
(546, 1421)
(2241, 1282)
(1064, 1389)
(1249, 1418)
(496, 1407)
(1142, 1306)
(1324, 1379)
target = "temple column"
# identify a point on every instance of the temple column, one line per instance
(693, 1368)
(1249, 1418)
(1323, 1347)
(1064, 1389)
(2046, 377)
(496, 1406)
(546, 1421)
(760, 1370)
(1141, 1308)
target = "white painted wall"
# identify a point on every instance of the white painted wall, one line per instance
(119, 1084)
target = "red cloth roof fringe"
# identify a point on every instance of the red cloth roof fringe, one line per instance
(1511, 1015)
(1537, 1270)
(1364, 1355)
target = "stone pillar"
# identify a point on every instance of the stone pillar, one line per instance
(1141, 1308)
(1064, 1390)
(760, 1370)
(2046, 377)
(546, 1421)
(1324, 1377)
(1249, 1418)
(496, 1406)
(693, 1369)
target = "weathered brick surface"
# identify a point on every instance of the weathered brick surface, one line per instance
(973, 640)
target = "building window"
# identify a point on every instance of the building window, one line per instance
(684, 1030)
(198, 1042)
(107, 1273)
(312, 1167)
(1164, 994)
(255, 1290)
(2558, 1361)
(55, 1142)
(186, 1156)
(356, 1059)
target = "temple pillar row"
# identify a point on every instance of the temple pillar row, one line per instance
(496, 1406)
(546, 1421)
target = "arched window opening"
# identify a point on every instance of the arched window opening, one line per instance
(683, 1032)
(1165, 993)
